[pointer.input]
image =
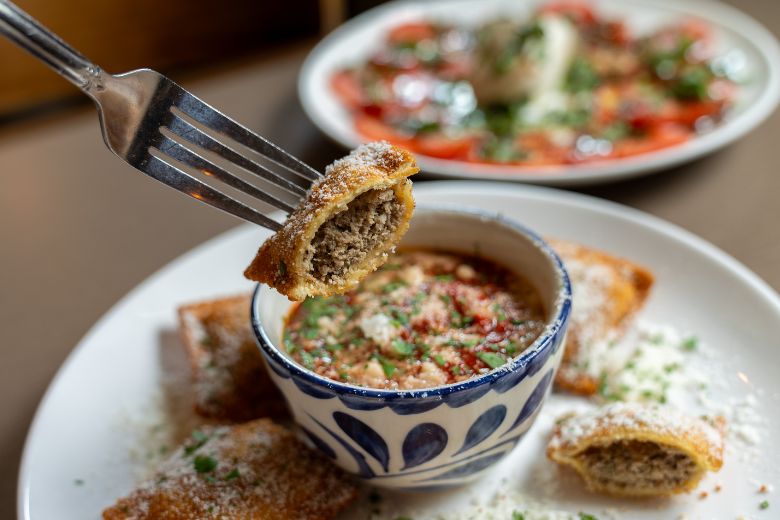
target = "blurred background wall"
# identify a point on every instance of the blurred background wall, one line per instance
(172, 36)
(168, 35)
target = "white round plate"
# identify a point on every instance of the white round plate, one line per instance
(733, 30)
(93, 429)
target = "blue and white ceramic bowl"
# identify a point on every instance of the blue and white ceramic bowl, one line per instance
(442, 436)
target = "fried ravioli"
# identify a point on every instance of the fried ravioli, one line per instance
(252, 471)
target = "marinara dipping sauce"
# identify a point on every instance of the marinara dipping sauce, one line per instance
(425, 319)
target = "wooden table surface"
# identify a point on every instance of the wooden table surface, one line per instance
(79, 228)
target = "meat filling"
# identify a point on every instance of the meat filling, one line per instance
(348, 237)
(638, 465)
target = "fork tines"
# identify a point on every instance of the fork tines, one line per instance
(191, 136)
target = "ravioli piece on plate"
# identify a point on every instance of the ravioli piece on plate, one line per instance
(631, 449)
(252, 471)
(606, 293)
(229, 377)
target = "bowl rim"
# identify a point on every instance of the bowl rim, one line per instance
(555, 325)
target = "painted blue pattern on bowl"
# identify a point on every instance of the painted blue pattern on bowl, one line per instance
(364, 470)
(361, 403)
(319, 443)
(475, 466)
(414, 407)
(423, 443)
(533, 402)
(483, 427)
(467, 396)
(309, 389)
(277, 368)
(507, 444)
(364, 436)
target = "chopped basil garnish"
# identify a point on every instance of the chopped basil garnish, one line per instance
(581, 76)
(198, 439)
(204, 463)
(491, 359)
(387, 367)
(691, 344)
(392, 286)
(307, 359)
(692, 83)
(505, 59)
(402, 347)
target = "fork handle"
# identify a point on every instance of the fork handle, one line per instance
(28, 33)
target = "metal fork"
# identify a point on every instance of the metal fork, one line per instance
(167, 133)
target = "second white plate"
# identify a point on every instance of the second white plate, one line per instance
(733, 31)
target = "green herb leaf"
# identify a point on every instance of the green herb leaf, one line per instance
(198, 439)
(616, 131)
(234, 474)
(439, 360)
(387, 366)
(517, 515)
(586, 516)
(491, 359)
(392, 286)
(289, 346)
(402, 347)
(502, 150)
(505, 59)
(581, 76)
(764, 505)
(307, 360)
(690, 344)
(692, 83)
(204, 463)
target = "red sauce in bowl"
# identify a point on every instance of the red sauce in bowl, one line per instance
(425, 319)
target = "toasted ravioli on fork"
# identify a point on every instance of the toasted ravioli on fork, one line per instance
(606, 293)
(229, 377)
(344, 229)
(631, 449)
(251, 471)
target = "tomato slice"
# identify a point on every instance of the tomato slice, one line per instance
(696, 30)
(659, 137)
(686, 113)
(347, 87)
(411, 32)
(375, 130)
(443, 147)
